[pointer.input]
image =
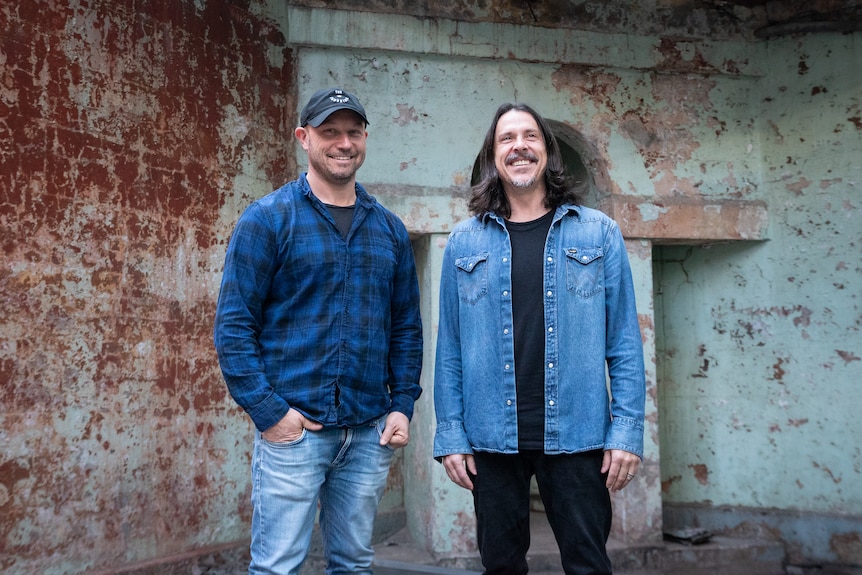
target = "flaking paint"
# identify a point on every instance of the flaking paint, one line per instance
(133, 136)
(123, 127)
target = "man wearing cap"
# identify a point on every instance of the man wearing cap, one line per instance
(319, 339)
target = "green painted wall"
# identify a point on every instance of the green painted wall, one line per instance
(758, 347)
(761, 357)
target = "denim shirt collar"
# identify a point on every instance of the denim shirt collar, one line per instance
(561, 211)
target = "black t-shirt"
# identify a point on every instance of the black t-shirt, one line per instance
(343, 216)
(528, 254)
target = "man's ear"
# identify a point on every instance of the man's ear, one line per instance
(302, 135)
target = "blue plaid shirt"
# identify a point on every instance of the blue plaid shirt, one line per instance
(310, 320)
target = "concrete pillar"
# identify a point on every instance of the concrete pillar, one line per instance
(439, 513)
(637, 508)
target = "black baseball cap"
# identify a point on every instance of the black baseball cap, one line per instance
(325, 102)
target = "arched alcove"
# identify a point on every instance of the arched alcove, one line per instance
(583, 163)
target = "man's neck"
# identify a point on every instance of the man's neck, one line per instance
(526, 204)
(332, 194)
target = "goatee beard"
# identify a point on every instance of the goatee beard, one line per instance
(523, 183)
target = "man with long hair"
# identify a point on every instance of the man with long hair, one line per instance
(536, 306)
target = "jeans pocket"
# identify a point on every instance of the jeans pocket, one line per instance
(380, 425)
(285, 444)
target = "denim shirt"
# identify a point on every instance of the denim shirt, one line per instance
(591, 324)
(309, 320)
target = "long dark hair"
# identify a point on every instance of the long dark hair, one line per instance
(488, 196)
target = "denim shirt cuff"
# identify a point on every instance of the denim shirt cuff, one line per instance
(627, 435)
(450, 439)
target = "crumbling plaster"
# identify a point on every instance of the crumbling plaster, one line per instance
(132, 136)
(760, 359)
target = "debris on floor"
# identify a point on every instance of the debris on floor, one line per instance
(689, 536)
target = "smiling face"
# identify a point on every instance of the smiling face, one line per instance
(336, 148)
(520, 154)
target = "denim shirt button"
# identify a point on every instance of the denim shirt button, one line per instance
(505, 332)
(550, 329)
(508, 402)
(507, 366)
(505, 293)
(551, 403)
(550, 293)
(551, 365)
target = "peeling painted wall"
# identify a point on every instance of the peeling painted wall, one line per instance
(131, 137)
(684, 131)
(686, 140)
(131, 134)
(762, 353)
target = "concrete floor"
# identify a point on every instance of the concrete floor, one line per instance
(399, 555)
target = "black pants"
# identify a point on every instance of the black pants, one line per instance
(576, 501)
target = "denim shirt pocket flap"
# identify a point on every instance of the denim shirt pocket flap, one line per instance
(469, 263)
(583, 255)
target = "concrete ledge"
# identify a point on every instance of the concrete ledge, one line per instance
(811, 538)
(722, 555)
(688, 220)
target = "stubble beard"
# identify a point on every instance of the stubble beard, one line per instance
(336, 175)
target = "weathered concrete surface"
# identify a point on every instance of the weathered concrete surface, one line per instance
(671, 18)
(131, 134)
(762, 356)
(685, 221)
(131, 137)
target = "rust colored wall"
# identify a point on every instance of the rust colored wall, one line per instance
(131, 135)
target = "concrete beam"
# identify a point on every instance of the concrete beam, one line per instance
(403, 33)
(688, 220)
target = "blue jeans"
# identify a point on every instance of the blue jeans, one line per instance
(345, 470)
(576, 501)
